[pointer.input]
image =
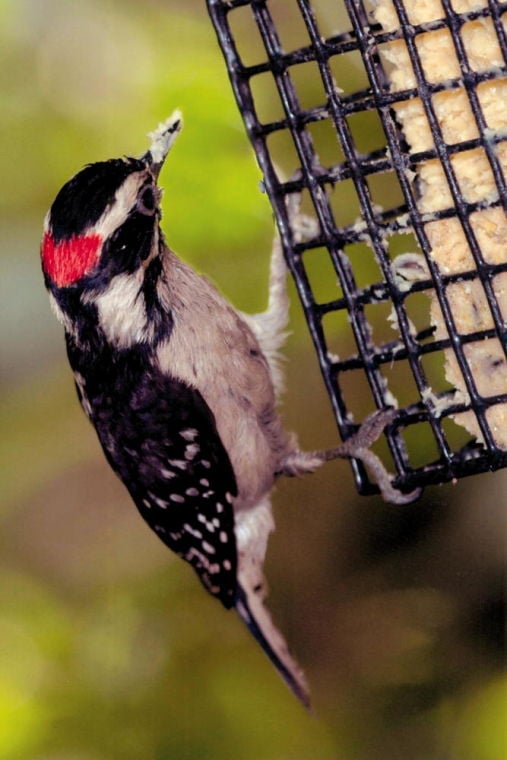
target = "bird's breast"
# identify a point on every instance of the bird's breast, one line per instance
(212, 349)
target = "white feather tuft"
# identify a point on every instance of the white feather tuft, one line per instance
(163, 137)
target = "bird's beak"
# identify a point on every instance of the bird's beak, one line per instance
(162, 140)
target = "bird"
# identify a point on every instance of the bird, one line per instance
(181, 386)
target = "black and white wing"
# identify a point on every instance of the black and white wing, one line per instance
(163, 443)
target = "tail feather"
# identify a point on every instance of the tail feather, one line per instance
(258, 620)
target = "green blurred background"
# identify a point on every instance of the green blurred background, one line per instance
(108, 646)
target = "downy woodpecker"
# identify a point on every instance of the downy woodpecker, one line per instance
(180, 386)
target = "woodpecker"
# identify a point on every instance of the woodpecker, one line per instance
(180, 386)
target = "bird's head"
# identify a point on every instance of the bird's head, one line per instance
(102, 229)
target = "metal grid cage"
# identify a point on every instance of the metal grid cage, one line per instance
(425, 333)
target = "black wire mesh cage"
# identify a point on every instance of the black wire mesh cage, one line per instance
(411, 232)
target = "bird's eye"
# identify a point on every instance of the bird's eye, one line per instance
(146, 202)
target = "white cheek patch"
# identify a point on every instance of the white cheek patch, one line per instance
(122, 310)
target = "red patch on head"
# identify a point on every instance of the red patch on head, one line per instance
(69, 260)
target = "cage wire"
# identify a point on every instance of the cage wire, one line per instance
(404, 283)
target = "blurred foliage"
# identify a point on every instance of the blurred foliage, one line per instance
(108, 646)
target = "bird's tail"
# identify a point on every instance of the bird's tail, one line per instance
(258, 620)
